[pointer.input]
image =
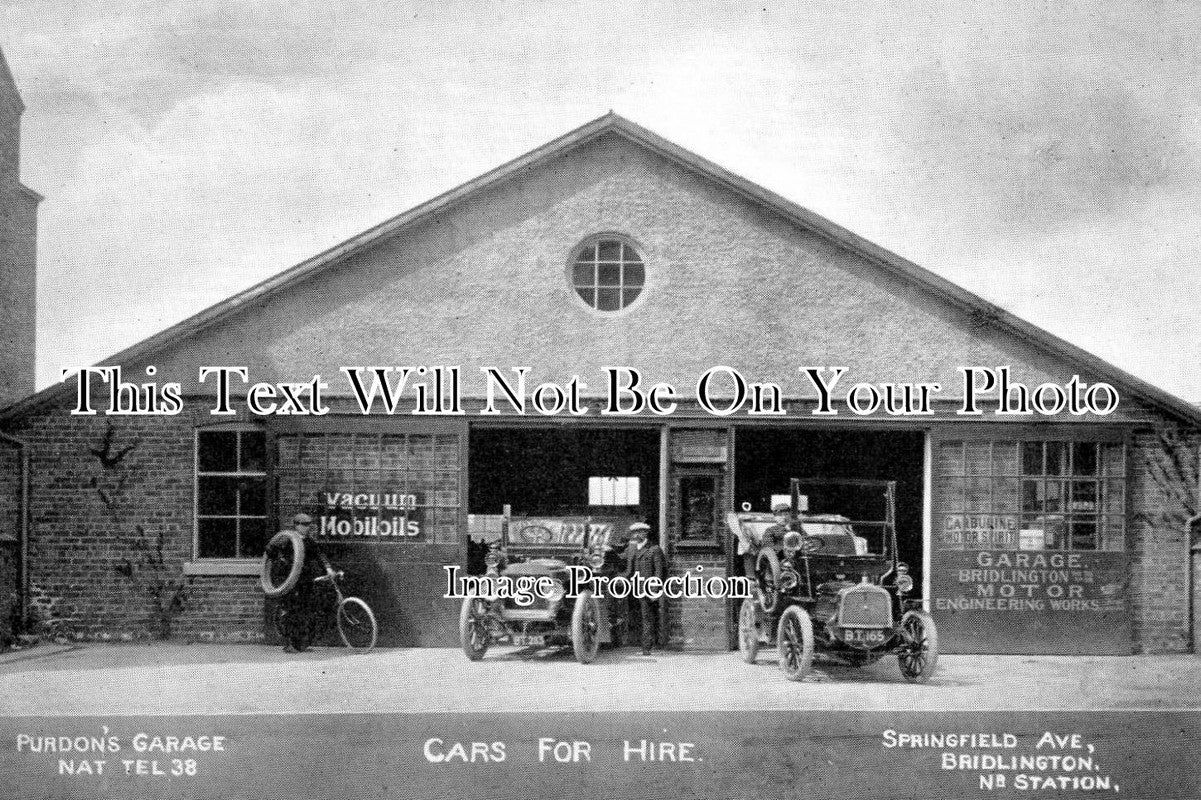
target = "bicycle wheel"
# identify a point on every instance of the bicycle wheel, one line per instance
(356, 624)
(283, 560)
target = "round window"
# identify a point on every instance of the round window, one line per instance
(608, 274)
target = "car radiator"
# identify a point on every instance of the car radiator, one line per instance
(865, 606)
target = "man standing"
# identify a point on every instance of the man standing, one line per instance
(647, 560)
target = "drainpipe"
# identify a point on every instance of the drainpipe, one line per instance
(23, 546)
(1194, 554)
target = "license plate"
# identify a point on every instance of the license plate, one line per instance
(522, 640)
(864, 636)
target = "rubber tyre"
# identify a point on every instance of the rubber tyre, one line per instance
(266, 579)
(585, 627)
(357, 625)
(767, 581)
(748, 631)
(794, 642)
(919, 655)
(473, 629)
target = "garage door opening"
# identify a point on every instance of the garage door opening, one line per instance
(557, 472)
(765, 460)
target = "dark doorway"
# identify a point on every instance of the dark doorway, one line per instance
(766, 458)
(546, 471)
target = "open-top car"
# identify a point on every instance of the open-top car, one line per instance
(537, 547)
(821, 586)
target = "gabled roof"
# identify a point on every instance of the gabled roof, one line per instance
(7, 84)
(612, 123)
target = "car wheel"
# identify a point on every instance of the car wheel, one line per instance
(585, 624)
(473, 627)
(918, 654)
(748, 631)
(283, 560)
(794, 641)
(767, 581)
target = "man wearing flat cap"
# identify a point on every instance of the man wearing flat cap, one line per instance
(646, 559)
(297, 609)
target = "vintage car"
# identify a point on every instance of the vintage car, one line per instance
(534, 547)
(819, 587)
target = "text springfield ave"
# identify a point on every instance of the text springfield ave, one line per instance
(720, 391)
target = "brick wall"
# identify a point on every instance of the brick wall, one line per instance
(18, 235)
(1161, 501)
(100, 509)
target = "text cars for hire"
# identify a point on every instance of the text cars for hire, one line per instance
(820, 588)
(527, 599)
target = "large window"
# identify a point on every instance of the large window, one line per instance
(608, 274)
(231, 493)
(1032, 495)
(371, 486)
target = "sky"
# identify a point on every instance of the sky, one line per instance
(1046, 156)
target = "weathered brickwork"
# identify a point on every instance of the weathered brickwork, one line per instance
(106, 493)
(1162, 500)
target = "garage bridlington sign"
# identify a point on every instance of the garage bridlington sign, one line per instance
(393, 516)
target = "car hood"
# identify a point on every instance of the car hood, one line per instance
(537, 566)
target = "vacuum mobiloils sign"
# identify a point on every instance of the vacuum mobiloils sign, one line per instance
(374, 515)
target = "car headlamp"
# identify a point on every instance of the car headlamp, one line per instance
(557, 591)
(792, 542)
(597, 560)
(904, 580)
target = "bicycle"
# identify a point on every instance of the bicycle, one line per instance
(299, 616)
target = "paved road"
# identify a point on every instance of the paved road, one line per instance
(246, 679)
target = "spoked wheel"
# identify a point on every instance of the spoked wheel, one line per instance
(473, 627)
(748, 631)
(794, 640)
(767, 580)
(918, 653)
(356, 624)
(585, 624)
(283, 560)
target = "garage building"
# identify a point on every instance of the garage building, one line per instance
(1057, 532)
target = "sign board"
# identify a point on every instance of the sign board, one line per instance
(386, 516)
(1031, 601)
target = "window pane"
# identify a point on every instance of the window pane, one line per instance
(254, 497)
(979, 494)
(1084, 496)
(629, 296)
(608, 274)
(1032, 458)
(635, 275)
(1057, 462)
(1112, 459)
(254, 451)
(1112, 535)
(1005, 458)
(217, 496)
(1054, 496)
(979, 458)
(630, 254)
(1084, 534)
(1115, 497)
(217, 538)
(218, 451)
(589, 296)
(1084, 458)
(950, 458)
(1032, 495)
(1006, 494)
(253, 537)
(949, 495)
(582, 274)
(608, 299)
(608, 250)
